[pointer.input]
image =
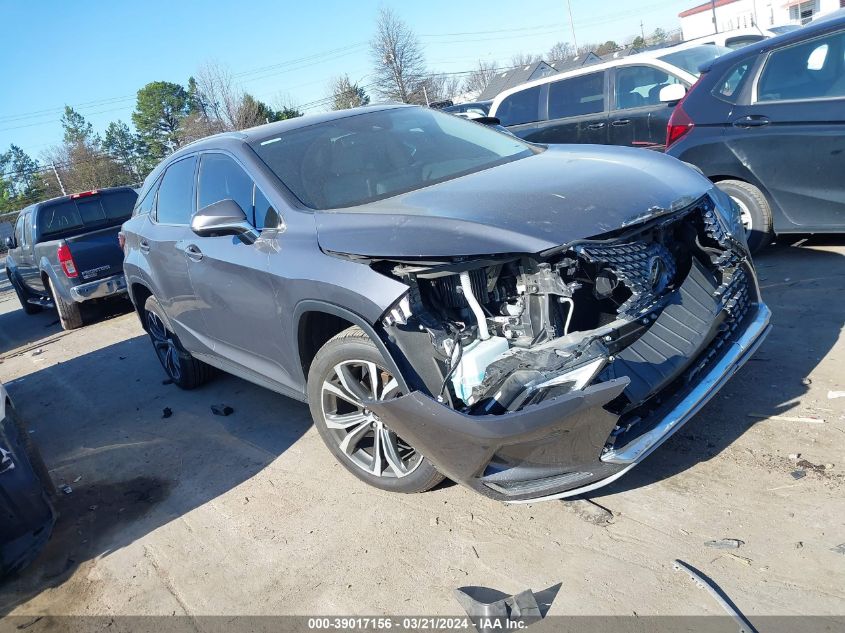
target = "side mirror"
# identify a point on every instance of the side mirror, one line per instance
(223, 218)
(10, 243)
(672, 93)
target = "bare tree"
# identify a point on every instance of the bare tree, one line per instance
(560, 51)
(398, 59)
(524, 59)
(479, 78)
(440, 87)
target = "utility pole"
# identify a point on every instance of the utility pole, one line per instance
(642, 31)
(61, 186)
(425, 92)
(572, 25)
(713, 8)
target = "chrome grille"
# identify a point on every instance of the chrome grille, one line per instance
(632, 263)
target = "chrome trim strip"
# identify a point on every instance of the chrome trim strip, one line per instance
(116, 284)
(633, 453)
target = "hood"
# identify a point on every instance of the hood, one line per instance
(565, 193)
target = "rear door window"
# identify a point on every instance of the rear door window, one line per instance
(175, 194)
(19, 229)
(520, 107)
(809, 70)
(638, 86)
(728, 88)
(27, 229)
(148, 202)
(577, 96)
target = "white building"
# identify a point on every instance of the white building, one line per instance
(738, 14)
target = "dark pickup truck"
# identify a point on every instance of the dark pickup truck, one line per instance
(65, 251)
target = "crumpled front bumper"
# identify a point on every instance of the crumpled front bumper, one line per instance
(554, 449)
(108, 287)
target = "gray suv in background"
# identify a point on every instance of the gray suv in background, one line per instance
(530, 321)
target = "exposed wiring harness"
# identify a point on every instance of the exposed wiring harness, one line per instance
(457, 355)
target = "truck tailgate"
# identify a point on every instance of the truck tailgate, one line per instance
(96, 254)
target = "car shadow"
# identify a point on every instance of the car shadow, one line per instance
(802, 287)
(18, 329)
(136, 452)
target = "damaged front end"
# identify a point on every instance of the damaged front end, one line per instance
(543, 376)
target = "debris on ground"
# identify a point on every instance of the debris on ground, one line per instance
(794, 456)
(839, 549)
(807, 382)
(37, 352)
(832, 395)
(798, 474)
(77, 480)
(807, 465)
(222, 409)
(492, 610)
(738, 558)
(590, 511)
(786, 418)
(167, 381)
(66, 489)
(166, 412)
(725, 543)
(717, 594)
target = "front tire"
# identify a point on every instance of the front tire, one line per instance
(70, 313)
(756, 212)
(183, 369)
(347, 370)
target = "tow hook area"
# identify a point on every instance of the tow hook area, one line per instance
(529, 452)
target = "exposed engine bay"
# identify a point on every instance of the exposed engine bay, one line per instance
(647, 301)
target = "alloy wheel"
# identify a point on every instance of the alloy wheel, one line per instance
(164, 345)
(361, 436)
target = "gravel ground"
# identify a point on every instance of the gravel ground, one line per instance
(249, 514)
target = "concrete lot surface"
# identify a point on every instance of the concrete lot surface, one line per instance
(249, 514)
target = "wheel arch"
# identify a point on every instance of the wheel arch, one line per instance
(318, 321)
(138, 294)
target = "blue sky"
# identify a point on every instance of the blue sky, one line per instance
(95, 55)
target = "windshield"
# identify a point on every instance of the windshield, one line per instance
(691, 59)
(375, 155)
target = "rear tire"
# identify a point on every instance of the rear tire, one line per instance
(756, 212)
(70, 313)
(341, 375)
(28, 307)
(183, 369)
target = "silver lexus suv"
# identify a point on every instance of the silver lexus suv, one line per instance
(528, 320)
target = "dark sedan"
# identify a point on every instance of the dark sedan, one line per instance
(530, 321)
(767, 123)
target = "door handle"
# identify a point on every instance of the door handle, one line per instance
(596, 126)
(144, 246)
(620, 122)
(193, 252)
(753, 120)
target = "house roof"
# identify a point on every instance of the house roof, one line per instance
(515, 76)
(623, 52)
(707, 6)
(562, 65)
